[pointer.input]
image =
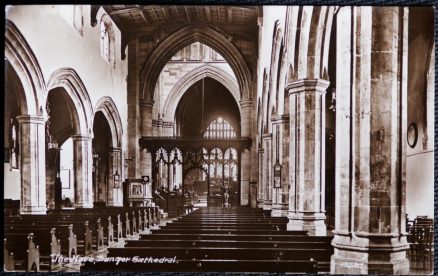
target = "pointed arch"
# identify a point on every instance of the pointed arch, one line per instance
(310, 59)
(22, 59)
(107, 39)
(68, 79)
(191, 78)
(109, 109)
(183, 37)
(265, 94)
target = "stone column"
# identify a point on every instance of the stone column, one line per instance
(82, 169)
(260, 186)
(246, 112)
(307, 155)
(371, 118)
(280, 199)
(32, 164)
(133, 96)
(267, 177)
(114, 196)
(145, 130)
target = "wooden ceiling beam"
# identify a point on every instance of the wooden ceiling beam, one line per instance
(207, 13)
(166, 14)
(123, 11)
(155, 14)
(187, 14)
(229, 15)
(143, 15)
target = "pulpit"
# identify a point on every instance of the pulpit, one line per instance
(139, 193)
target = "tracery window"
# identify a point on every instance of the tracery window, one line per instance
(220, 129)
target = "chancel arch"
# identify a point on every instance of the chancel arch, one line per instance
(183, 37)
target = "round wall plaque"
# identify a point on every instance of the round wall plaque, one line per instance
(412, 135)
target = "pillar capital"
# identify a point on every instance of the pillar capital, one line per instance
(30, 119)
(245, 103)
(307, 85)
(280, 119)
(115, 149)
(146, 103)
(83, 137)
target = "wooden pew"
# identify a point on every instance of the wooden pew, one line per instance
(22, 254)
(220, 253)
(202, 265)
(65, 235)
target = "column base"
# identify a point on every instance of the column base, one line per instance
(260, 204)
(380, 255)
(84, 205)
(279, 211)
(267, 205)
(314, 223)
(33, 210)
(114, 204)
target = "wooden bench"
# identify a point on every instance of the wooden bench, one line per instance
(202, 265)
(220, 253)
(223, 231)
(185, 209)
(64, 233)
(21, 254)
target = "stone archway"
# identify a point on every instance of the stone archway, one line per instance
(107, 106)
(158, 59)
(70, 82)
(31, 121)
(22, 59)
(108, 111)
(183, 37)
(191, 78)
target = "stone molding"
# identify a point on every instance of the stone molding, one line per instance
(190, 78)
(164, 51)
(109, 109)
(68, 79)
(22, 59)
(307, 85)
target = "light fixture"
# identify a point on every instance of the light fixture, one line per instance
(333, 102)
(116, 180)
(132, 159)
(50, 143)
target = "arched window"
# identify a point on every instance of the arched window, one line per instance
(220, 129)
(13, 143)
(107, 39)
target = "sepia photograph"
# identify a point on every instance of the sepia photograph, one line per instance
(219, 138)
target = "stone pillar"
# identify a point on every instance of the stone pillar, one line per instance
(370, 235)
(280, 199)
(267, 177)
(260, 186)
(307, 155)
(133, 131)
(145, 130)
(115, 195)
(32, 164)
(82, 169)
(246, 112)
